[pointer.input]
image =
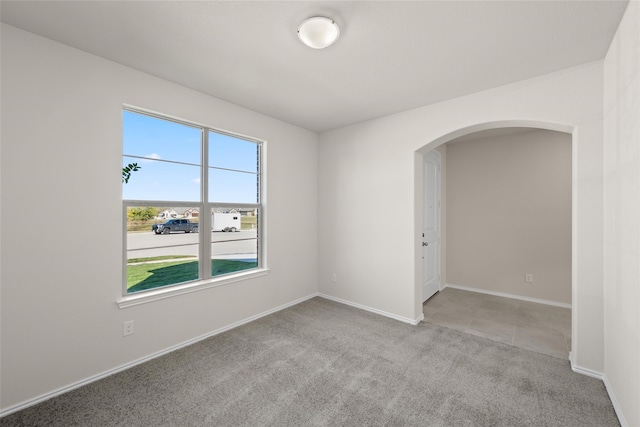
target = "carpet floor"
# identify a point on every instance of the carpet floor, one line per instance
(322, 363)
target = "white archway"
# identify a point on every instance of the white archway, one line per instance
(497, 125)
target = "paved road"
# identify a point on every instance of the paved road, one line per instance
(241, 244)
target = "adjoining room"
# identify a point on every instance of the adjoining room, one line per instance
(506, 215)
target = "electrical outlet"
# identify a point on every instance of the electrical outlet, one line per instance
(528, 277)
(334, 277)
(127, 328)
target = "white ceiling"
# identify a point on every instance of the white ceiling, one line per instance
(392, 55)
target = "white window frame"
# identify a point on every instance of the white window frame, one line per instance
(205, 280)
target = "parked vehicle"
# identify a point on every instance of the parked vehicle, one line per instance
(221, 221)
(175, 225)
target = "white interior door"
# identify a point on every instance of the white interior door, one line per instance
(431, 226)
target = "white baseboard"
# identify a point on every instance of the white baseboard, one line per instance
(602, 377)
(506, 295)
(89, 380)
(375, 310)
(614, 401)
(588, 372)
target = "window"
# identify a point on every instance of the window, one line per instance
(190, 194)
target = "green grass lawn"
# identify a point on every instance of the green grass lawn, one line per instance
(154, 275)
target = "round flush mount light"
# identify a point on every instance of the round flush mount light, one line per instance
(318, 32)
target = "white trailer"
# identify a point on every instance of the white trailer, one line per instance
(222, 221)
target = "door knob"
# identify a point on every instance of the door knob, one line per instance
(425, 243)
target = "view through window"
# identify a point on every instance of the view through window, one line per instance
(190, 193)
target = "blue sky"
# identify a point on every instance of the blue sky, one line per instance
(159, 141)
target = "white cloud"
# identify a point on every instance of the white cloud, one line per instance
(196, 181)
(155, 156)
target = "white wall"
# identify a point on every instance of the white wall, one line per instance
(622, 216)
(61, 218)
(370, 193)
(60, 323)
(509, 213)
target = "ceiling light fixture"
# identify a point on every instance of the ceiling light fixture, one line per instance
(318, 32)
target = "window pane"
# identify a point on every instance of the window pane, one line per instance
(157, 180)
(232, 187)
(163, 165)
(233, 251)
(228, 152)
(155, 138)
(162, 246)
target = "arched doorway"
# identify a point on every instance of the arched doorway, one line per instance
(457, 133)
(507, 214)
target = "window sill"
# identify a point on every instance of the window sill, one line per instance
(172, 291)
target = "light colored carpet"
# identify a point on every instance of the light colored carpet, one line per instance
(321, 363)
